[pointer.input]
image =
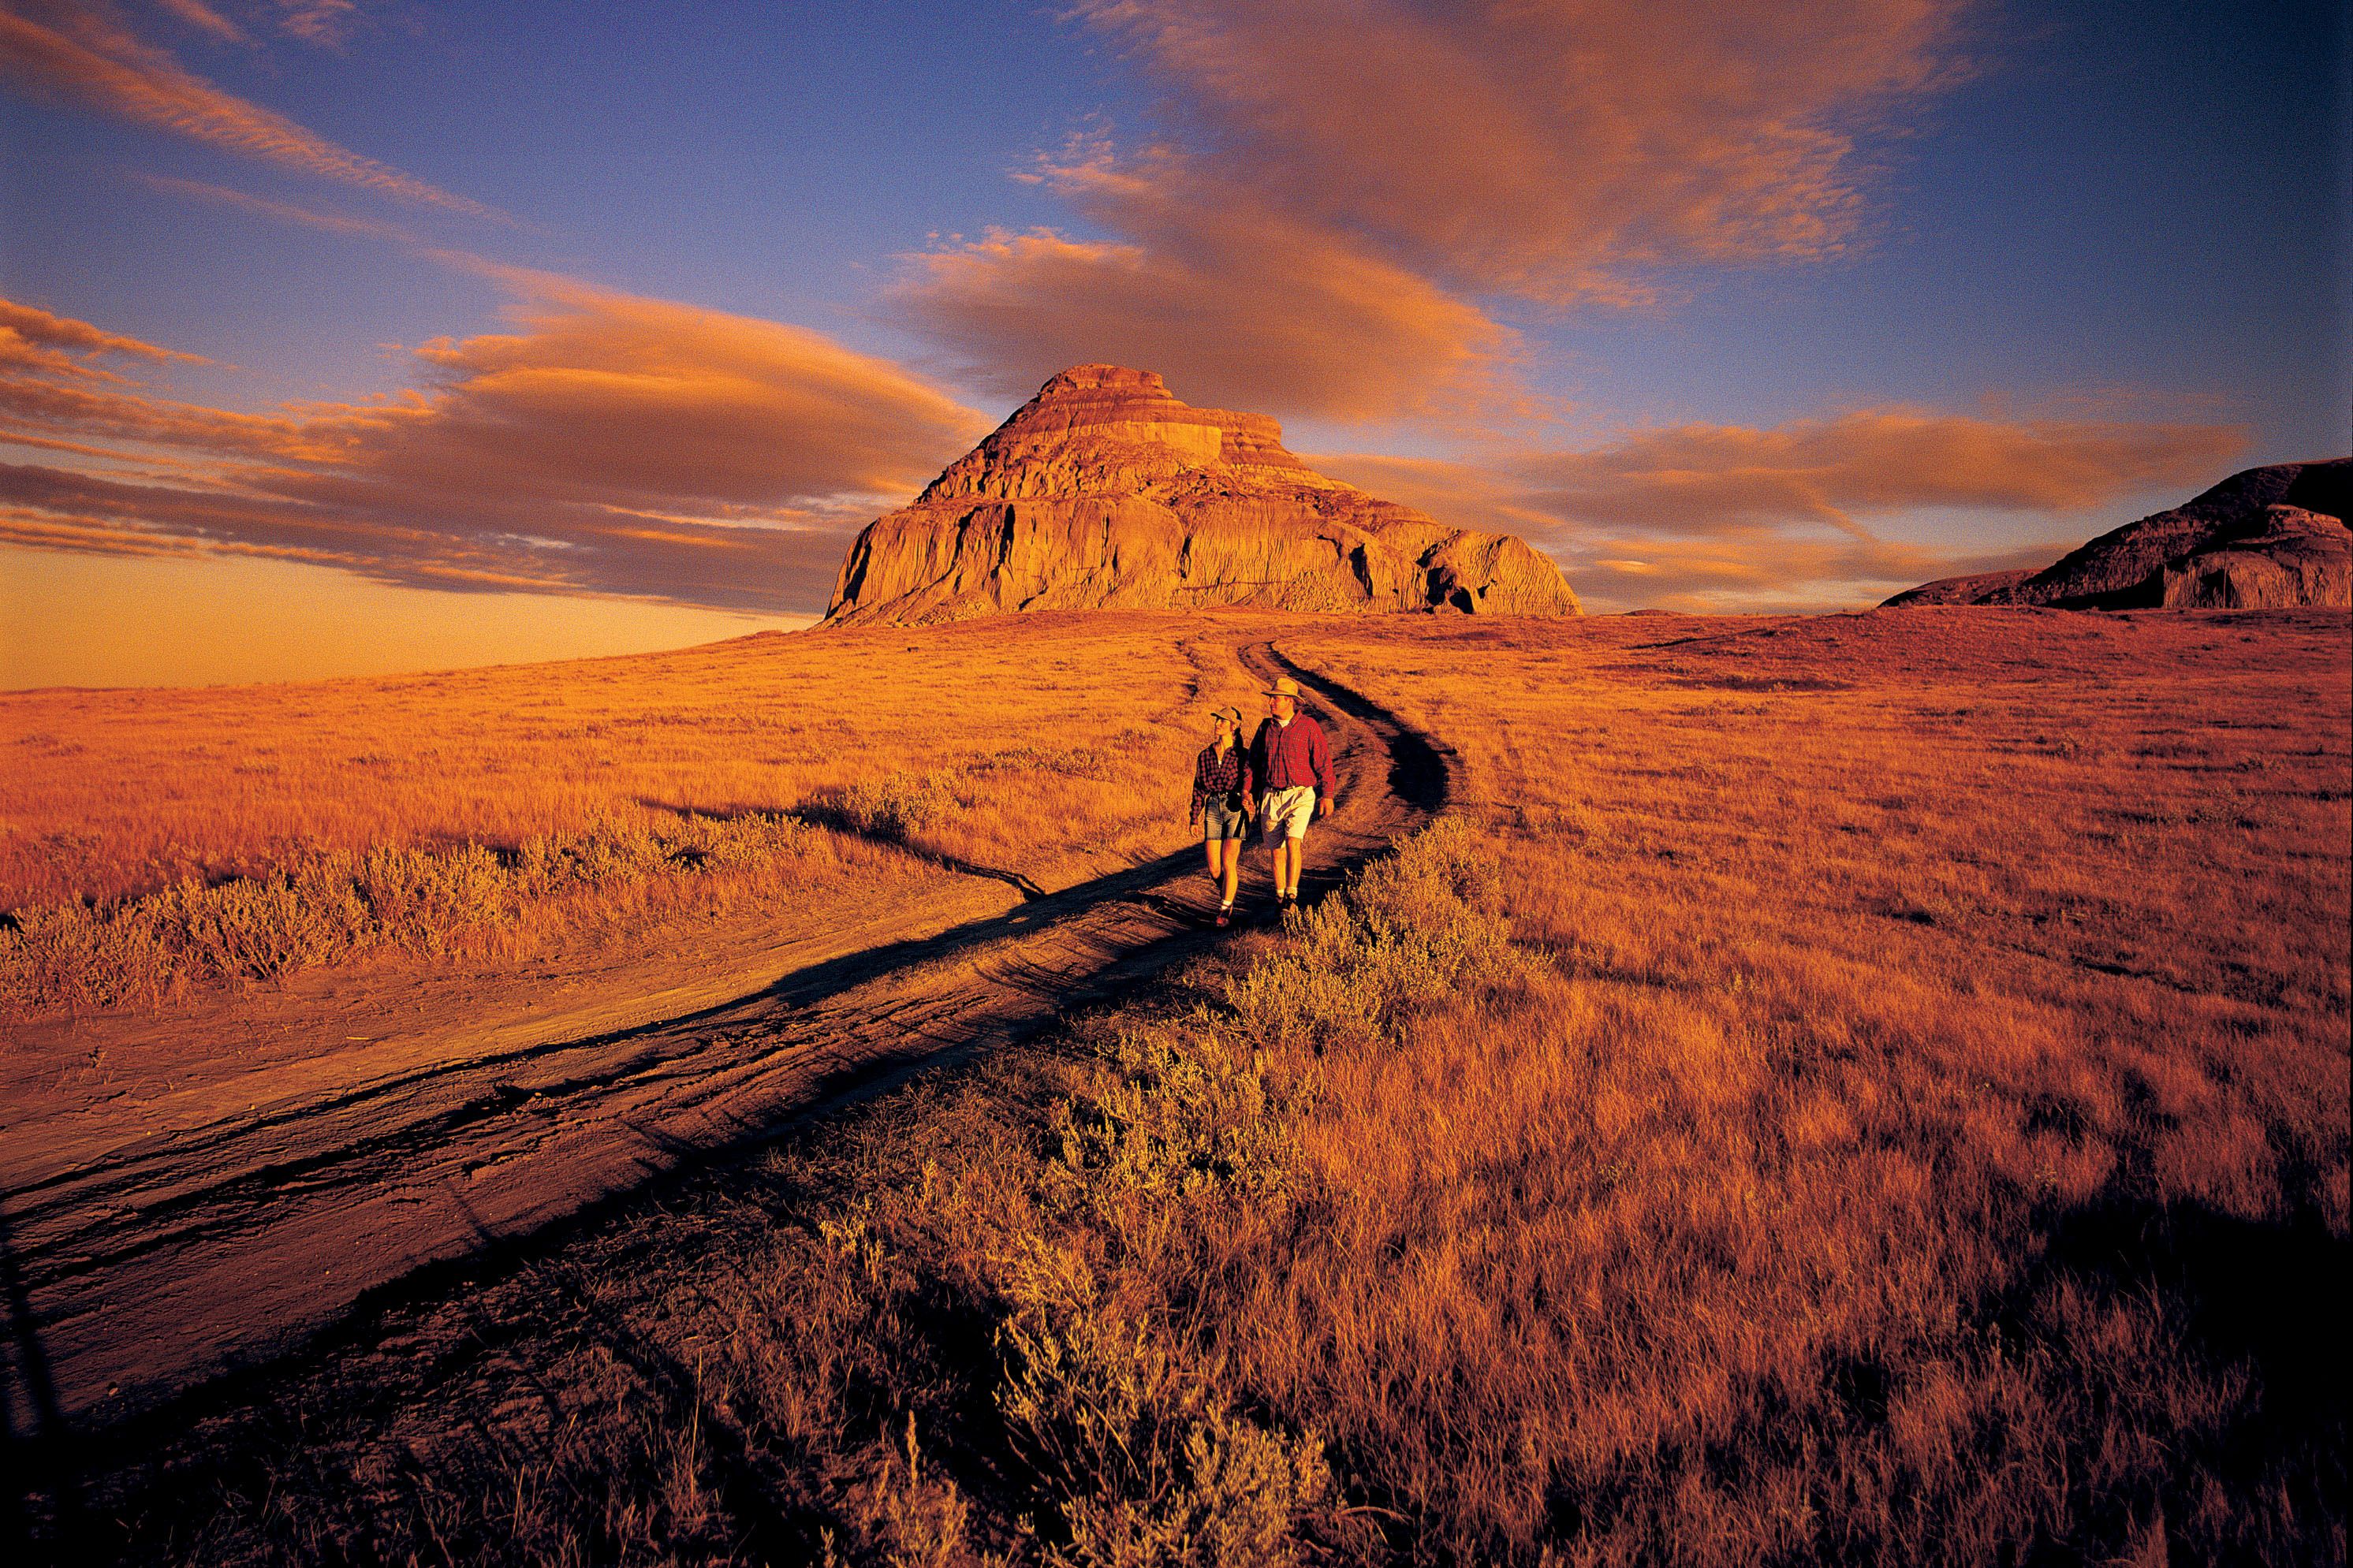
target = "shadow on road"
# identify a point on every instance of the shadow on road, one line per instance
(32, 1426)
(1089, 960)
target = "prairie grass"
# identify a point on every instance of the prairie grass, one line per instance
(331, 906)
(153, 840)
(1864, 1091)
(998, 1347)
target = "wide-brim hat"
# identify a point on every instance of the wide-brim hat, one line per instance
(1230, 713)
(1285, 687)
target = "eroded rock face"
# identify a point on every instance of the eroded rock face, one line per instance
(2269, 538)
(2299, 557)
(1105, 491)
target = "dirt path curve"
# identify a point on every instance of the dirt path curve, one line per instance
(129, 1276)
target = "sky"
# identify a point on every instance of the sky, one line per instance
(351, 335)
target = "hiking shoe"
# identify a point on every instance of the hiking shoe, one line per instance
(1224, 917)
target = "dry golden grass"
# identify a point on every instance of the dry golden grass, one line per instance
(1929, 1137)
(1862, 1090)
(151, 838)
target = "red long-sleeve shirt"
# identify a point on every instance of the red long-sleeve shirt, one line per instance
(1284, 755)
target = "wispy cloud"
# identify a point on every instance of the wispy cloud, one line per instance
(325, 24)
(85, 53)
(1237, 304)
(1730, 517)
(614, 444)
(1550, 150)
(1836, 472)
(33, 341)
(608, 443)
(281, 212)
(329, 24)
(1351, 189)
(202, 18)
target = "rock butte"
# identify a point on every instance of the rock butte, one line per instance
(2266, 539)
(1105, 491)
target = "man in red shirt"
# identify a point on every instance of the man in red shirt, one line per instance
(1290, 768)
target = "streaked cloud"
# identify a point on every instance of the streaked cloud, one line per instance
(1730, 517)
(1235, 303)
(202, 18)
(86, 55)
(612, 444)
(1350, 190)
(281, 212)
(33, 341)
(1556, 151)
(607, 443)
(1723, 478)
(326, 24)
(329, 24)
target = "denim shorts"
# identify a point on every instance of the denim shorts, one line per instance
(1219, 820)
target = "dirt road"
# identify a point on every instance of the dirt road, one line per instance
(147, 1259)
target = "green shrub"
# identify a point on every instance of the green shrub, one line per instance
(1185, 1107)
(1138, 1448)
(1134, 1449)
(1414, 928)
(897, 805)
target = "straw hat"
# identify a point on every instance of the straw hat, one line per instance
(1285, 687)
(1229, 713)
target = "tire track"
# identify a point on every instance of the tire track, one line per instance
(135, 1276)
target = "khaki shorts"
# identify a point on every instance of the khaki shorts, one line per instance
(1288, 810)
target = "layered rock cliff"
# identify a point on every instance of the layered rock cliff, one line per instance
(1105, 491)
(2266, 539)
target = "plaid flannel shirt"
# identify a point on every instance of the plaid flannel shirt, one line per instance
(1218, 777)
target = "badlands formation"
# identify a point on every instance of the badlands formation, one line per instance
(1105, 491)
(2265, 538)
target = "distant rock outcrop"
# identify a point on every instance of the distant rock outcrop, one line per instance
(1977, 588)
(2266, 539)
(1105, 491)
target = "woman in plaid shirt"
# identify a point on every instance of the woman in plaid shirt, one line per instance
(1221, 784)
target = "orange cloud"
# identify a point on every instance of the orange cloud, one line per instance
(1236, 303)
(1347, 179)
(283, 212)
(33, 339)
(1728, 517)
(1550, 150)
(81, 53)
(1787, 575)
(716, 407)
(34, 402)
(326, 23)
(1715, 479)
(611, 443)
(204, 19)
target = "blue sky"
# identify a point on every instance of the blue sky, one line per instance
(1732, 307)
